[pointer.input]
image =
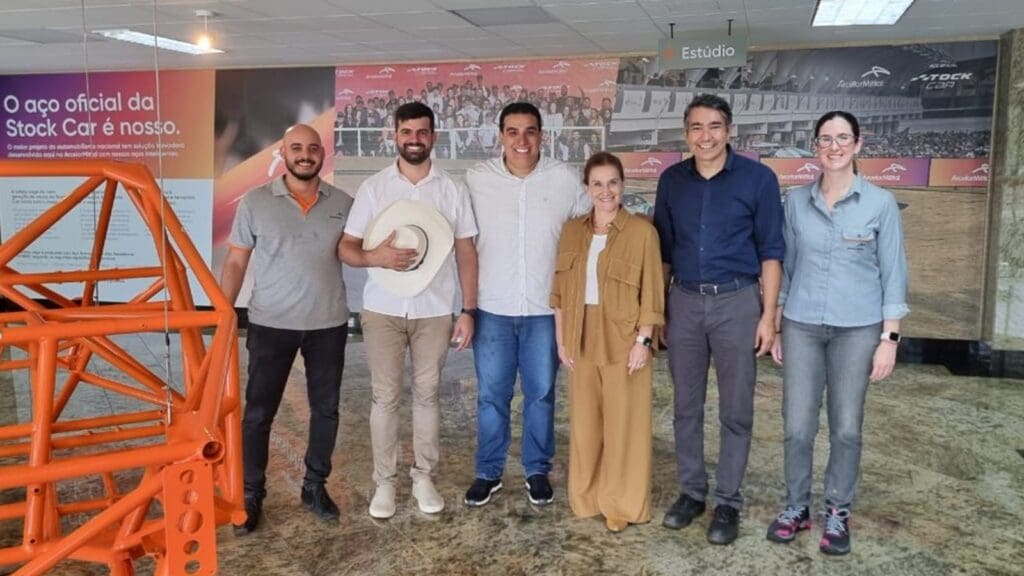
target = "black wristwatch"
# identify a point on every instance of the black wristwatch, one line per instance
(645, 340)
(471, 312)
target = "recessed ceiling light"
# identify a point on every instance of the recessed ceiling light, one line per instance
(134, 37)
(859, 12)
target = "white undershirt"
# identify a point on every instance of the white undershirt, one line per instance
(597, 244)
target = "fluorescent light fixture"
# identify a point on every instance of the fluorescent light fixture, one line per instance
(859, 12)
(158, 41)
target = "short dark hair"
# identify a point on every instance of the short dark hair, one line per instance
(519, 108)
(602, 159)
(850, 118)
(412, 111)
(709, 101)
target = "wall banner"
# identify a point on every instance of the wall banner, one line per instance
(114, 115)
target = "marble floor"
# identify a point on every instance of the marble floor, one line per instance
(942, 491)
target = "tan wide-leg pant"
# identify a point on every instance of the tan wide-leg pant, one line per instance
(387, 338)
(609, 437)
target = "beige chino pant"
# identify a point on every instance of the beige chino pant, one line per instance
(387, 338)
(609, 437)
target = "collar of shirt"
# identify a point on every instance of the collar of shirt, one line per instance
(278, 188)
(816, 198)
(394, 173)
(542, 166)
(691, 164)
(618, 222)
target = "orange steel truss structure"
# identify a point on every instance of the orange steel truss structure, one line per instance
(179, 455)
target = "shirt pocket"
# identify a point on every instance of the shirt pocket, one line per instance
(622, 295)
(565, 262)
(858, 240)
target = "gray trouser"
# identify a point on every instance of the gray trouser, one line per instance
(815, 358)
(722, 327)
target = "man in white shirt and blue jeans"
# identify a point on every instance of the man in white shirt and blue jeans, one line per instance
(521, 201)
(423, 323)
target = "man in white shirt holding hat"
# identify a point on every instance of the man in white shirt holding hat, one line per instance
(403, 226)
(521, 201)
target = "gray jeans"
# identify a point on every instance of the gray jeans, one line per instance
(816, 358)
(701, 328)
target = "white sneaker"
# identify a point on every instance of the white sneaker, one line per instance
(426, 495)
(383, 504)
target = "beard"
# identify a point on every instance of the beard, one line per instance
(414, 157)
(302, 172)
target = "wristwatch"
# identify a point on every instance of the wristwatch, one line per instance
(645, 340)
(893, 337)
(471, 312)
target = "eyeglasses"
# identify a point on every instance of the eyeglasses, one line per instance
(840, 139)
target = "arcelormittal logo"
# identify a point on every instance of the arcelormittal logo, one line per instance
(875, 72)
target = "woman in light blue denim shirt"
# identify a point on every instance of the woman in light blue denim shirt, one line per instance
(844, 289)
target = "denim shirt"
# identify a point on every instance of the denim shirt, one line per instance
(844, 268)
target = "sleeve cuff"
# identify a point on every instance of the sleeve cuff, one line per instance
(895, 311)
(651, 319)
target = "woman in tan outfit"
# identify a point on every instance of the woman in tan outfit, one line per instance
(608, 296)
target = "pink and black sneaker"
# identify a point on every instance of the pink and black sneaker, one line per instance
(835, 540)
(788, 523)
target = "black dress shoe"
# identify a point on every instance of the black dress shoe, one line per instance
(725, 526)
(682, 513)
(253, 510)
(315, 497)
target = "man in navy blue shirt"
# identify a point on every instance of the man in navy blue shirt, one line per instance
(719, 216)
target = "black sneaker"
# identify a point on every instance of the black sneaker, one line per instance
(725, 525)
(539, 490)
(682, 513)
(253, 511)
(835, 540)
(480, 492)
(788, 523)
(315, 497)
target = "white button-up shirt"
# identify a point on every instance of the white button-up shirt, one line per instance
(520, 221)
(439, 190)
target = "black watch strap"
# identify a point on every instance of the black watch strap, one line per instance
(471, 312)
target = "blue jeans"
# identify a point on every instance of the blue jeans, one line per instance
(816, 358)
(504, 346)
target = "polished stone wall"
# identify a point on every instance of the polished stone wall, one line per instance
(1004, 318)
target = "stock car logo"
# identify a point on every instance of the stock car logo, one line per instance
(470, 68)
(894, 168)
(651, 161)
(608, 83)
(347, 92)
(875, 72)
(386, 70)
(561, 64)
(983, 169)
(808, 167)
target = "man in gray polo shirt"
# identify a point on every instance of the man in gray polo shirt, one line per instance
(289, 228)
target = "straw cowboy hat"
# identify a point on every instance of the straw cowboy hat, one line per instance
(419, 226)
